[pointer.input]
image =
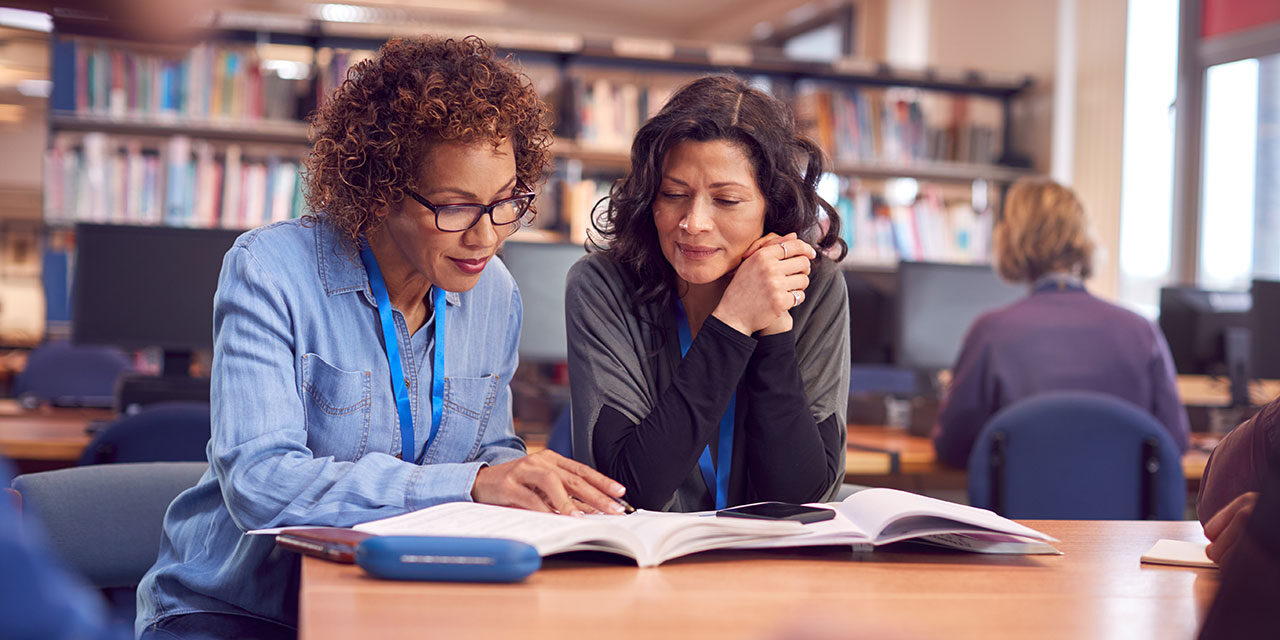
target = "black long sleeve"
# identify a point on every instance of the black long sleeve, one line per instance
(653, 457)
(790, 457)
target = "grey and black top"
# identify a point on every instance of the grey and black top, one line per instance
(642, 415)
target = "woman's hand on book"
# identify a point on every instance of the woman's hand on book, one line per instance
(547, 481)
(770, 281)
(1227, 525)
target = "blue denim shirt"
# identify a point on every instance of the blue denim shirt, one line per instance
(305, 430)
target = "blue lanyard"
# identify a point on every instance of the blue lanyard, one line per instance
(1057, 282)
(716, 477)
(392, 345)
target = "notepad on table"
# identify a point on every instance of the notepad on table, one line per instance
(1179, 553)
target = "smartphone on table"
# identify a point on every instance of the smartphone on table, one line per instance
(778, 511)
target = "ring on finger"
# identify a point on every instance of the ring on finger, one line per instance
(784, 250)
(798, 296)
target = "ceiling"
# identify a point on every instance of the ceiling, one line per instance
(716, 21)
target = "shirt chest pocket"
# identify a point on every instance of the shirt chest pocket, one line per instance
(468, 404)
(336, 409)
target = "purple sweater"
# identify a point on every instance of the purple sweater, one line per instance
(1056, 340)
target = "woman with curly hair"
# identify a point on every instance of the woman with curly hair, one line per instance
(1058, 338)
(362, 355)
(709, 342)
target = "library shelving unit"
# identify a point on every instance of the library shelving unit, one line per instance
(211, 134)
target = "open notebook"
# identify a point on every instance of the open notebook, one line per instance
(871, 517)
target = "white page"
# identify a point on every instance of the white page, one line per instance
(874, 510)
(993, 543)
(839, 530)
(546, 532)
(1179, 553)
(646, 536)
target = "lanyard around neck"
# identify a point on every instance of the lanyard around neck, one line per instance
(391, 342)
(717, 476)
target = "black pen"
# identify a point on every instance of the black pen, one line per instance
(626, 507)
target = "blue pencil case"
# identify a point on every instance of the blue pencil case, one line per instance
(447, 559)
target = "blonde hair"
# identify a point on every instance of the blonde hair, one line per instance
(1044, 230)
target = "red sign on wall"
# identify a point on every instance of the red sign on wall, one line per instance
(1221, 17)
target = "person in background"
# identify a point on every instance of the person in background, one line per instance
(1060, 337)
(362, 355)
(1234, 475)
(40, 599)
(708, 340)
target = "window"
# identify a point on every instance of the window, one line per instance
(1240, 206)
(1146, 192)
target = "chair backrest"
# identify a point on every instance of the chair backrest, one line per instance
(62, 373)
(1077, 455)
(560, 440)
(165, 432)
(105, 521)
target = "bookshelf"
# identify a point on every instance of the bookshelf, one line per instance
(281, 132)
(187, 116)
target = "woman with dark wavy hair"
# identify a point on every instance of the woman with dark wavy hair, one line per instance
(362, 355)
(709, 338)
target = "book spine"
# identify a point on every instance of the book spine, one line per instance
(63, 94)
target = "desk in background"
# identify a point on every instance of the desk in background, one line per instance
(1096, 589)
(1206, 391)
(45, 438)
(888, 457)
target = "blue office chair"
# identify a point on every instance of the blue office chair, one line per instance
(1077, 455)
(105, 521)
(164, 432)
(62, 373)
(561, 438)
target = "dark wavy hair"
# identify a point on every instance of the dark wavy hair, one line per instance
(372, 134)
(787, 168)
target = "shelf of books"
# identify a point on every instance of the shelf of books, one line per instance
(936, 225)
(213, 134)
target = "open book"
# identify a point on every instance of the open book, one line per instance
(650, 538)
(874, 517)
(870, 517)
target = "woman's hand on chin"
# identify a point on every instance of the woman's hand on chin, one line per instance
(770, 281)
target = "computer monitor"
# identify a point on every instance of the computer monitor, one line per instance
(1197, 324)
(1264, 317)
(872, 298)
(937, 303)
(540, 269)
(138, 287)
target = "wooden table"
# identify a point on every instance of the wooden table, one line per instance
(1206, 391)
(47, 435)
(1097, 589)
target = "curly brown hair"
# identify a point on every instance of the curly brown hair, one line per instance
(372, 134)
(787, 168)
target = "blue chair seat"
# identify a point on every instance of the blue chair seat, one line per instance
(164, 432)
(61, 373)
(105, 521)
(1077, 455)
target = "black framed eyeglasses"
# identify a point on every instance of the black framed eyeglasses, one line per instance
(461, 216)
